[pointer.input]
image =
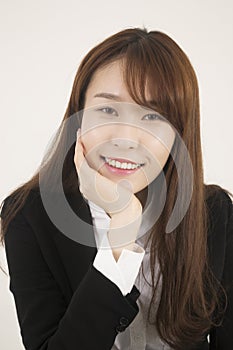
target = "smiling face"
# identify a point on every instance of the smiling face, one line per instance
(114, 126)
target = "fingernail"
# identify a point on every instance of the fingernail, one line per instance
(78, 132)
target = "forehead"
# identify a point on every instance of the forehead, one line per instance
(110, 80)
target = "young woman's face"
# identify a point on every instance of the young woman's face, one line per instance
(114, 126)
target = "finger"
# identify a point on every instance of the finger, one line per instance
(82, 166)
(78, 154)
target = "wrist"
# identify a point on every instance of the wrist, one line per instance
(128, 214)
(123, 233)
(117, 251)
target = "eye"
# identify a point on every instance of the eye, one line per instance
(153, 116)
(108, 110)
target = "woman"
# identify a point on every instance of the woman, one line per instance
(155, 270)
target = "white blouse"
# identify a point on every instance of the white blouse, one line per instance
(126, 272)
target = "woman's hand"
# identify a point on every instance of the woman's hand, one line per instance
(120, 203)
(109, 195)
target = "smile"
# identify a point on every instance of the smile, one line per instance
(121, 167)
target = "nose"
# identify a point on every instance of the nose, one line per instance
(125, 137)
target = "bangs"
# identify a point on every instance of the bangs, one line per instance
(151, 78)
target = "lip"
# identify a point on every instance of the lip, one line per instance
(117, 171)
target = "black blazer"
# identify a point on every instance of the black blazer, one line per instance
(64, 303)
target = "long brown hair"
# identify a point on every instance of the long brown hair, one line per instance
(190, 293)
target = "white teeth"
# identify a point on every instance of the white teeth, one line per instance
(120, 165)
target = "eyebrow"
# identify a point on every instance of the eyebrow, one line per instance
(108, 96)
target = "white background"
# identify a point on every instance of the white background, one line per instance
(42, 44)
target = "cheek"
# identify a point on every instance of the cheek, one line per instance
(90, 140)
(159, 153)
(96, 137)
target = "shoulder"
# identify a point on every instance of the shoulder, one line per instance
(30, 202)
(217, 195)
(219, 204)
(14, 206)
(54, 215)
(220, 230)
(21, 211)
(14, 197)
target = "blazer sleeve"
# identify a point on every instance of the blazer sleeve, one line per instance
(222, 337)
(97, 310)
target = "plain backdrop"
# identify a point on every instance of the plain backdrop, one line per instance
(42, 44)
